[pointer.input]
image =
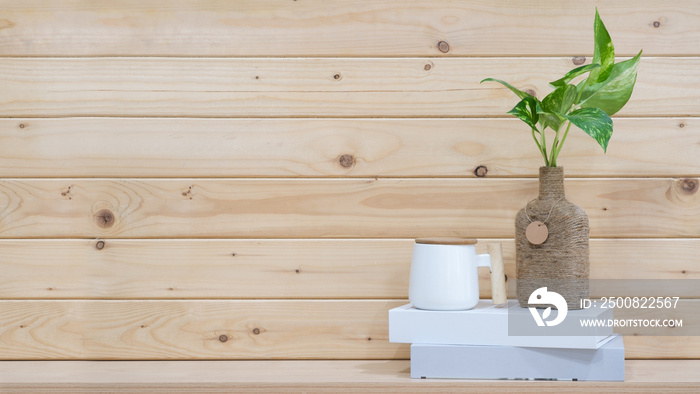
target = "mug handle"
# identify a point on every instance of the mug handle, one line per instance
(498, 276)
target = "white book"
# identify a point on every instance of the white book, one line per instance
(487, 324)
(508, 362)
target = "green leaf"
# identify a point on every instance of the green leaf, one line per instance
(573, 74)
(595, 123)
(603, 52)
(551, 120)
(526, 110)
(515, 90)
(555, 105)
(613, 93)
(560, 100)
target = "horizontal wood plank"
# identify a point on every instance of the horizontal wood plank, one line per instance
(292, 147)
(332, 208)
(294, 268)
(282, 329)
(662, 347)
(315, 87)
(367, 376)
(260, 329)
(341, 28)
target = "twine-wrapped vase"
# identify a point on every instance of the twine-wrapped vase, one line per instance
(554, 252)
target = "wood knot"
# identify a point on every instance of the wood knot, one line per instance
(187, 193)
(22, 125)
(681, 125)
(100, 245)
(481, 171)
(578, 60)
(347, 161)
(689, 185)
(6, 24)
(531, 92)
(223, 338)
(427, 67)
(298, 270)
(104, 218)
(443, 46)
(656, 24)
(337, 76)
(68, 193)
(256, 331)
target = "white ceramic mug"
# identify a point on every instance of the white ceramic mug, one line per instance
(444, 274)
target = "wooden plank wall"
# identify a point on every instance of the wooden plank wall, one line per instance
(197, 179)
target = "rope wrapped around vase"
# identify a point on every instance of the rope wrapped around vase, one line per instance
(561, 261)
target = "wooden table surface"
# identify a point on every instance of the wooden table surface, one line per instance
(307, 376)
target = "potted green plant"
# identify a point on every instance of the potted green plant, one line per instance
(551, 233)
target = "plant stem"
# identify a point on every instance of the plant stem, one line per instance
(544, 155)
(558, 149)
(555, 144)
(543, 147)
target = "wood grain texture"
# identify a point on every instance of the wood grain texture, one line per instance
(317, 28)
(294, 268)
(315, 87)
(280, 329)
(230, 100)
(662, 347)
(291, 147)
(331, 208)
(259, 329)
(367, 376)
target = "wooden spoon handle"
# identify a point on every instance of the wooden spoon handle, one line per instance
(498, 276)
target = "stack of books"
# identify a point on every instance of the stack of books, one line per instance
(506, 342)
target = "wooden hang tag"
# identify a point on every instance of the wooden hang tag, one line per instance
(537, 233)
